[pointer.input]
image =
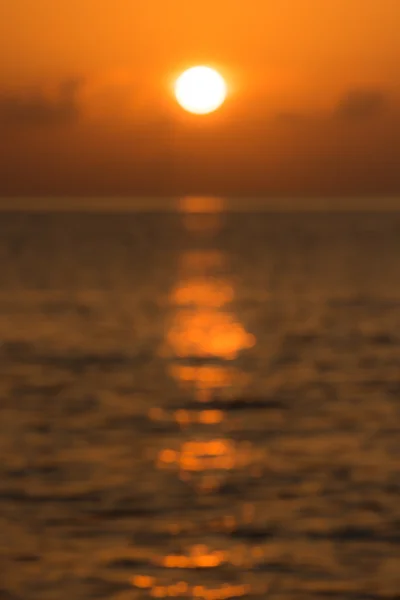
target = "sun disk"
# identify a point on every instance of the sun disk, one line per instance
(200, 90)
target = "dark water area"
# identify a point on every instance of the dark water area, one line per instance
(199, 405)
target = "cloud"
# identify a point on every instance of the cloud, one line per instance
(41, 109)
(356, 105)
(361, 105)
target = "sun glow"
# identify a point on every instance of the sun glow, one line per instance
(200, 90)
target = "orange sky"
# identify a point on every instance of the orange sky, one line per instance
(86, 104)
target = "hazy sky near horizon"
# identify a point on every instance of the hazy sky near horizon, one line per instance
(86, 103)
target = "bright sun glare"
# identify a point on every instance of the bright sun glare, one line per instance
(200, 90)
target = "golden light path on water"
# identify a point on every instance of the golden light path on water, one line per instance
(203, 338)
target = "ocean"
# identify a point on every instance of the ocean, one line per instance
(199, 402)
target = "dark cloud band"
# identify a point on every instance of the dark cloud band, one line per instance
(38, 109)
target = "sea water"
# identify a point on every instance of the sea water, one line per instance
(197, 402)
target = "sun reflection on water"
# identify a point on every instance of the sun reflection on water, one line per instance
(204, 334)
(203, 340)
(216, 454)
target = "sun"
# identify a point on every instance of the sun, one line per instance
(200, 90)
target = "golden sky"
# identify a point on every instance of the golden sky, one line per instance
(86, 104)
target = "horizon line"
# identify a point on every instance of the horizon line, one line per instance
(199, 203)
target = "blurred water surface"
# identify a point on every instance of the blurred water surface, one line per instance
(199, 404)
